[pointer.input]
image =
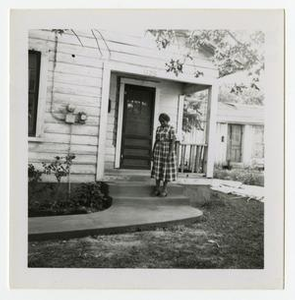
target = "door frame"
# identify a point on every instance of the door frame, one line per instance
(138, 82)
(229, 143)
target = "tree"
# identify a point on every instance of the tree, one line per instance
(231, 51)
(244, 96)
(194, 112)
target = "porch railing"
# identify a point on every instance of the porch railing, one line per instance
(191, 157)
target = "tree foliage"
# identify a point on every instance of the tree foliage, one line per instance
(231, 51)
(194, 112)
(245, 95)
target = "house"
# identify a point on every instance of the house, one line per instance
(98, 94)
(240, 135)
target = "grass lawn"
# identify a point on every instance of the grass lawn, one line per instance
(230, 235)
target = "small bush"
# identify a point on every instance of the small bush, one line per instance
(34, 175)
(92, 195)
(86, 198)
(60, 167)
(246, 175)
(47, 199)
(34, 188)
(54, 208)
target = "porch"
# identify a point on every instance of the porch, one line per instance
(189, 161)
(132, 103)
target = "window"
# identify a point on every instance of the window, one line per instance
(34, 78)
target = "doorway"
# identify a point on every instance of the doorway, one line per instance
(137, 130)
(235, 137)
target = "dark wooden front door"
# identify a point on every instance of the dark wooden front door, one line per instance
(235, 142)
(137, 132)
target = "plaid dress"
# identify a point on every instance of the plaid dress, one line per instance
(164, 167)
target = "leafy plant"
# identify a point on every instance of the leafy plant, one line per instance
(92, 195)
(191, 120)
(163, 38)
(60, 167)
(87, 198)
(194, 112)
(247, 175)
(231, 51)
(34, 175)
(238, 93)
(175, 66)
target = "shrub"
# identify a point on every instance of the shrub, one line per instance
(53, 208)
(86, 198)
(34, 175)
(92, 195)
(246, 175)
(47, 198)
(60, 167)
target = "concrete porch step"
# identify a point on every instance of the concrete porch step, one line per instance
(145, 200)
(140, 189)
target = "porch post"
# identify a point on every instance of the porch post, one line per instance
(103, 121)
(211, 133)
(180, 116)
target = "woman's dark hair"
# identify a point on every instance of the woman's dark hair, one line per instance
(164, 117)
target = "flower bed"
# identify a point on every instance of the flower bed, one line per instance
(52, 199)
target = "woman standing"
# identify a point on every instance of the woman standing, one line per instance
(163, 156)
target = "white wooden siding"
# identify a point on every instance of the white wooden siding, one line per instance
(250, 117)
(249, 147)
(138, 46)
(168, 103)
(77, 79)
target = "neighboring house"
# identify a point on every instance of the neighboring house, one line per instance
(240, 135)
(101, 101)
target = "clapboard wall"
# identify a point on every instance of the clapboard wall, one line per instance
(74, 76)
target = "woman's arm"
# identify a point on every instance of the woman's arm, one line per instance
(153, 150)
(152, 155)
(172, 141)
(171, 147)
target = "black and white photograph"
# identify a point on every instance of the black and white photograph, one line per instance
(109, 110)
(146, 148)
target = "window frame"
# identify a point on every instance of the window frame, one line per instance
(37, 55)
(42, 94)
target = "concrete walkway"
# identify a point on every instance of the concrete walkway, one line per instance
(133, 209)
(116, 219)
